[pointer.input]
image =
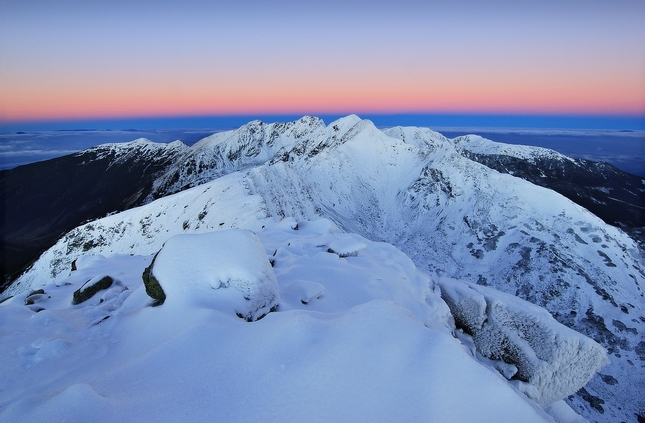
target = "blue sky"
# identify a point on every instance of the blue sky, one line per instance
(75, 60)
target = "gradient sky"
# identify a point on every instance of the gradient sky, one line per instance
(106, 59)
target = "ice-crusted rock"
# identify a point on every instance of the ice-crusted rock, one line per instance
(227, 270)
(554, 359)
(347, 246)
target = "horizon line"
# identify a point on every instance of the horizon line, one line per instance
(446, 119)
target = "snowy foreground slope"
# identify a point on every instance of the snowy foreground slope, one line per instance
(359, 335)
(415, 189)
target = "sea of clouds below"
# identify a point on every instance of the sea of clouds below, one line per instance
(625, 150)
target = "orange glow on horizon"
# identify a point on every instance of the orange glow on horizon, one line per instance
(484, 101)
(103, 63)
(318, 94)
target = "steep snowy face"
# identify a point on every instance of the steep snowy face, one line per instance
(458, 218)
(226, 152)
(353, 174)
(611, 194)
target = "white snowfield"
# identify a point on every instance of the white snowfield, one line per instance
(411, 188)
(373, 341)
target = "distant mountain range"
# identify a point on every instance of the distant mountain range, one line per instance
(559, 232)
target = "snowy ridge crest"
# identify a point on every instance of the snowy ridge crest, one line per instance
(340, 306)
(479, 145)
(139, 147)
(226, 152)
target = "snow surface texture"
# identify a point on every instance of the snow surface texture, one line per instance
(374, 345)
(555, 360)
(196, 269)
(410, 187)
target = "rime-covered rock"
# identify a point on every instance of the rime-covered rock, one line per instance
(554, 359)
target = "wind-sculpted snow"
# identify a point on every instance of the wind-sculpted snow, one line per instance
(374, 345)
(553, 359)
(196, 269)
(415, 189)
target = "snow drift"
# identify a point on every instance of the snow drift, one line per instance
(373, 341)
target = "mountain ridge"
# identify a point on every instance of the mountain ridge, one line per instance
(42, 201)
(417, 190)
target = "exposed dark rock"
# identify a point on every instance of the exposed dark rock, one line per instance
(35, 297)
(593, 400)
(249, 317)
(640, 350)
(90, 288)
(608, 379)
(153, 288)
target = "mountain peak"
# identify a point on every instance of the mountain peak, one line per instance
(345, 122)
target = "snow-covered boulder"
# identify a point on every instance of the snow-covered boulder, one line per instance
(554, 360)
(227, 270)
(347, 246)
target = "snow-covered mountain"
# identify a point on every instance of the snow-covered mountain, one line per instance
(615, 196)
(440, 201)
